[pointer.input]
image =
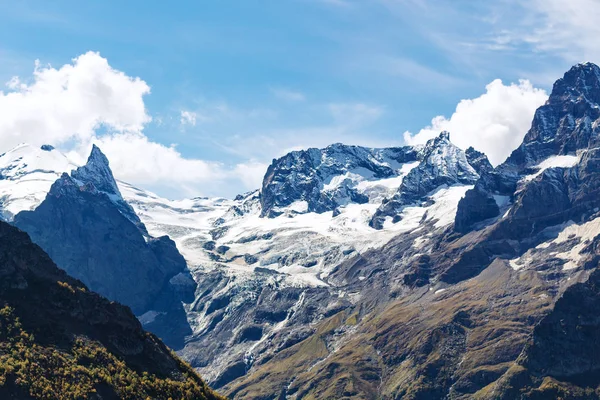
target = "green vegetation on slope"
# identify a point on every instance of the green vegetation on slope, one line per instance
(80, 371)
(58, 340)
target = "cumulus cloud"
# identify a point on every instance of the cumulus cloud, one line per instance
(88, 101)
(251, 174)
(71, 102)
(494, 123)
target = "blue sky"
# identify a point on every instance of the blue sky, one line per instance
(237, 83)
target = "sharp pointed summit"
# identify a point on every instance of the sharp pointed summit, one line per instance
(98, 172)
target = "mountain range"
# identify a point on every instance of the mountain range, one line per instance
(415, 272)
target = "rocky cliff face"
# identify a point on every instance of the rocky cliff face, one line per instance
(60, 340)
(326, 179)
(97, 172)
(561, 130)
(91, 232)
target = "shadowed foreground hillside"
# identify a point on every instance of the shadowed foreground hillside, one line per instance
(58, 340)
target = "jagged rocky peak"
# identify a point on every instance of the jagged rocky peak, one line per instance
(442, 164)
(565, 124)
(582, 80)
(320, 180)
(442, 158)
(97, 172)
(478, 161)
(562, 129)
(92, 233)
(89, 237)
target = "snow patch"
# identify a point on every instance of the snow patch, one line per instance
(565, 161)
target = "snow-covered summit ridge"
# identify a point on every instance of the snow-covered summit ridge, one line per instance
(325, 179)
(442, 164)
(320, 206)
(26, 175)
(321, 214)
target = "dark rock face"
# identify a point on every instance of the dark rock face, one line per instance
(563, 126)
(302, 175)
(89, 234)
(566, 343)
(59, 312)
(477, 205)
(478, 161)
(98, 173)
(561, 358)
(442, 164)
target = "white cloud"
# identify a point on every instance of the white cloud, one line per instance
(494, 122)
(67, 106)
(136, 159)
(69, 103)
(287, 94)
(188, 118)
(250, 174)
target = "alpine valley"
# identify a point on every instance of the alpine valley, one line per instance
(416, 272)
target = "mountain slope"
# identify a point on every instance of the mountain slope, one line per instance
(59, 340)
(91, 232)
(265, 279)
(411, 273)
(503, 306)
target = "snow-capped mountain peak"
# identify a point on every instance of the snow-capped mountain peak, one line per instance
(320, 180)
(442, 164)
(98, 172)
(26, 174)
